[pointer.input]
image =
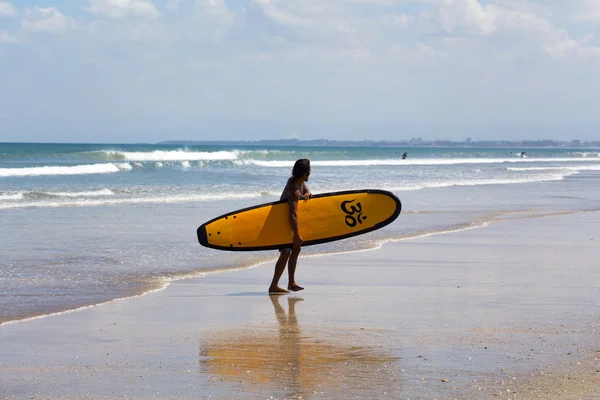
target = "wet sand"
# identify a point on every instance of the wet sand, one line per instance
(505, 311)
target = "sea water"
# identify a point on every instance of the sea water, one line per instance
(82, 224)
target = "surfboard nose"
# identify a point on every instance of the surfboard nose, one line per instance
(202, 237)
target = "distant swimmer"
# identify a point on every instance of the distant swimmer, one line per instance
(523, 154)
(404, 155)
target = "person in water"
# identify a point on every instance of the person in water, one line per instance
(294, 190)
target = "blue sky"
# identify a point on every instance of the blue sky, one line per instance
(145, 71)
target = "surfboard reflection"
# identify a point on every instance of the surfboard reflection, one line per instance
(287, 362)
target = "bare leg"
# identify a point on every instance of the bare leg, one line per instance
(292, 271)
(279, 267)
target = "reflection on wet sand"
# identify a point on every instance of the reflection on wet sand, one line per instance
(288, 363)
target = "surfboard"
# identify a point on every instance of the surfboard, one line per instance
(323, 218)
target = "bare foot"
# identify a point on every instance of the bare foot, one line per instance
(295, 287)
(277, 290)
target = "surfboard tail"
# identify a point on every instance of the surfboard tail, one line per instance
(202, 237)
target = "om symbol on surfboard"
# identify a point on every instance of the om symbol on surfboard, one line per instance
(350, 210)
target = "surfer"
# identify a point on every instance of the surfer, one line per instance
(294, 190)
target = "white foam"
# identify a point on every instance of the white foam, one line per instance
(11, 196)
(85, 202)
(126, 166)
(60, 170)
(93, 193)
(565, 168)
(399, 162)
(185, 164)
(535, 168)
(174, 155)
(479, 182)
(586, 168)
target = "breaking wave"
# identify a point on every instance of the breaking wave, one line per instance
(60, 170)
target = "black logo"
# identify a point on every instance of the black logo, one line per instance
(350, 210)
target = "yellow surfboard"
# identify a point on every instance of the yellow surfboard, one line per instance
(324, 218)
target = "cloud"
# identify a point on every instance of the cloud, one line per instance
(484, 63)
(49, 20)
(401, 20)
(8, 10)
(213, 9)
(124, 8)
(590, 12)
(564, 47)
(459, 17)
(555, 41)
(271, 11)
(510, 27)
(6, 38)
(172, 5)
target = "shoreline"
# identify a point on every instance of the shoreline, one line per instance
(200, 274)
(509, 311)
(460, 227)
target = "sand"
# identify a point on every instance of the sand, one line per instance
(506, 311)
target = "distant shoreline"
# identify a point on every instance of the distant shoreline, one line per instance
(384, 143)
(414, 143)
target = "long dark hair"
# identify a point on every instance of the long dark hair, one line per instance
(301, 167)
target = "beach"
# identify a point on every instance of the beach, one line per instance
(437, 161)
(506, 310)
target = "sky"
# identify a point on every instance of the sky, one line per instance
(144, 71)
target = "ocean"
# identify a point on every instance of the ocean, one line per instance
(83, 224)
